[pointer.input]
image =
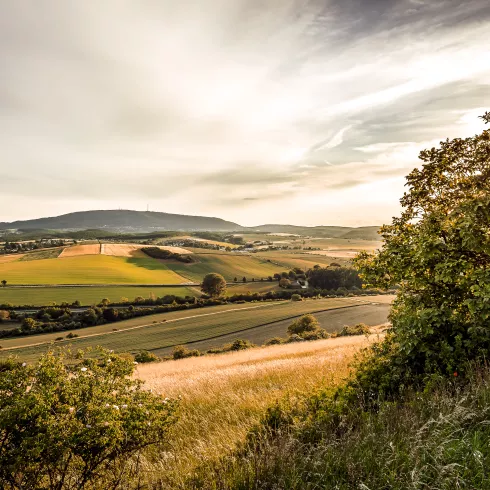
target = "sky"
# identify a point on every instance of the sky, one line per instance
(256, 111)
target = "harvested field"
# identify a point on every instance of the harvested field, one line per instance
(5, 259)
(76, 250)
(121, 250)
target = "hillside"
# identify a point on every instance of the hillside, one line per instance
(124, 220)
(104, 223)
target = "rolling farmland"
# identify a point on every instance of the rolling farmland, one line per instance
(42, 296)
(90, 269)
(179, 327)
(228, 265)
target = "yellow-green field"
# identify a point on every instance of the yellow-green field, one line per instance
(89, 269)
(286, 260)
(252, 287)
(157, 332)
(42, 296)
(229, 265)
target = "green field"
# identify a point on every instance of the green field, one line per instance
(229, 265)
(288, 260)
(179, 328)
(42, 296)
(89, 269)
(252, 287)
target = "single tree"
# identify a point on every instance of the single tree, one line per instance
(213, 284)
(438, 254)
(244, 279)
(4, 282)
(284, 283)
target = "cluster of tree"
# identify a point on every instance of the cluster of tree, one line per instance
(334, 278)
(159, 253)
(21, 247)
(188, 242)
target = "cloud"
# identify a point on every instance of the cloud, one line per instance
(182, 103)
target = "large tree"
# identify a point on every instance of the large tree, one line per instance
(213, 284)
(438, 254)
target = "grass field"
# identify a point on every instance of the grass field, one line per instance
(252, 287)
(42, 296)
(90, 269)
(224, 396)
(288, 260)
(228, 265)
(176, 328)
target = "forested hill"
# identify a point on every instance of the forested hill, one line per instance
(116, 220)
(149, 221)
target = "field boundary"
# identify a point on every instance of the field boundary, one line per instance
(187, 318)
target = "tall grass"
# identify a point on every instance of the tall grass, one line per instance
(224, 396)
(438, 439)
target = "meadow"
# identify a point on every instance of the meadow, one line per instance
(223, 396)
(43, 296)
(229, 265)
(159, 332)
(90, 269)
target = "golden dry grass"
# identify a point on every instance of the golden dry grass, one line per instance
(76, 250)
(223, 396)
(4, 259)
(121, 250)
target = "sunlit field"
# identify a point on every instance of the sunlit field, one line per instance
(223, 396)
(89, 269)
(42, 296)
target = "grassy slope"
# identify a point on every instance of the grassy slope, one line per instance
(89, 269)
(288, 260)
(252, 287)
(199, 325)
(41, 296)
(228, 265)
(224, 396)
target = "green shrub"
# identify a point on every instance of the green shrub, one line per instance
(359, 329)
(181, 352)
(76, 426)
(241, 344)
(296, 297)
(144, 356)
(274, 341)
(307, 323)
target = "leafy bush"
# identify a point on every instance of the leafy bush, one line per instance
(241, 344)
(76, 426)
(144, 356)
(274, 341)
(296, 297)
(359, 329)
(213, 284)
(307, 323)
(437, 252)
(181, 352)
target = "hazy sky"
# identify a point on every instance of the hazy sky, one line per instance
(256, 111)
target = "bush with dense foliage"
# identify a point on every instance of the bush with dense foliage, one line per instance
(438, 253)
(306, 323)
(75, 426)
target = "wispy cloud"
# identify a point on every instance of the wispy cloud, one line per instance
(186, 103)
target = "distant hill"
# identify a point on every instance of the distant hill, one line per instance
(128, 222)
(124, 220)
(363, 233)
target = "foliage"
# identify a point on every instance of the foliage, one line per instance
(160, 253)
(296, 297)
(144, 356)
(181, 352)
(213, 284)
(76, 426)
(284, 283)
(307, 323)
(438, 253)
(333, 278)
(359, 329)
